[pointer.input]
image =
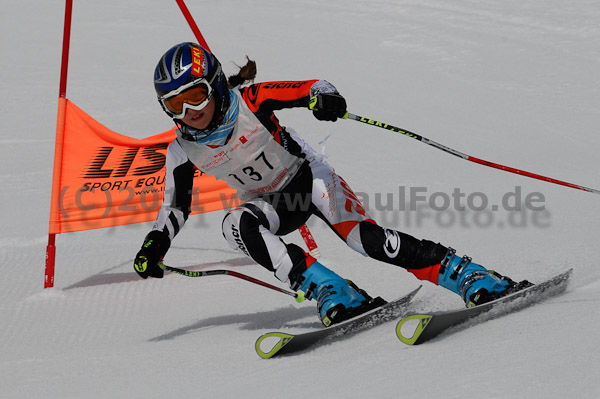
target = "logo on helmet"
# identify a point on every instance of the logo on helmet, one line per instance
(197, 61)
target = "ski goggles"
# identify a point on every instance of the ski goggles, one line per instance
(194, 95)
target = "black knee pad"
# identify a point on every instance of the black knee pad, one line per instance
(428, 254)
(398, 248)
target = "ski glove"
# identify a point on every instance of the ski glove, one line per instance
(147, 262)
(325, 102)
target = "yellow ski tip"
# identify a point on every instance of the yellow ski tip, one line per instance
(283, 339)
(423, 321)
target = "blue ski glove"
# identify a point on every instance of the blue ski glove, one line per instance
(325, 102)
(147, 262)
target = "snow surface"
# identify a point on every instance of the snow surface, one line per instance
(511, 81)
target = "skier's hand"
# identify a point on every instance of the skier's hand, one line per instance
(147, 262)
(325, 101)
(328, 106)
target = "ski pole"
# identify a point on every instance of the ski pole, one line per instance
(465, 156)
(189, 273)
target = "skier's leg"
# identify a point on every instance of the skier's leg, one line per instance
(254, 229)
(436, 263)
(340, 207)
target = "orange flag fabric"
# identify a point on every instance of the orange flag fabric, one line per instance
(104, 179)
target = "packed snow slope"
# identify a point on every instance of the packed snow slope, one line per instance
(510, 81)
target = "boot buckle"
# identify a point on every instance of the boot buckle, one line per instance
(447, 258)
(465, 260)
(310, 291)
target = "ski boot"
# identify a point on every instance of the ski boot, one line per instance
(337, 299)
(474, 283)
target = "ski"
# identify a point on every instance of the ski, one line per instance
(430, 325)
(288, 343)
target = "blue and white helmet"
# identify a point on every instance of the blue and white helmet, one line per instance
(187, 65)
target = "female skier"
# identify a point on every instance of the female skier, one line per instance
(232, 133)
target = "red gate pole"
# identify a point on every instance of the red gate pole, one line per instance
(60, 127)
(192, 23)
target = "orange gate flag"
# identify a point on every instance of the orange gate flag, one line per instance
(106, 179)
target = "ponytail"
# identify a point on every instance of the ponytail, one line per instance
(247, 73)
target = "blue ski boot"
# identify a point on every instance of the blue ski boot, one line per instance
(337, 300)
(474, 283)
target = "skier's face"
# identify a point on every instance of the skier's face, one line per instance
(200, 119)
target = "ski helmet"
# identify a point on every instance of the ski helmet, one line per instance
(188, 76)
